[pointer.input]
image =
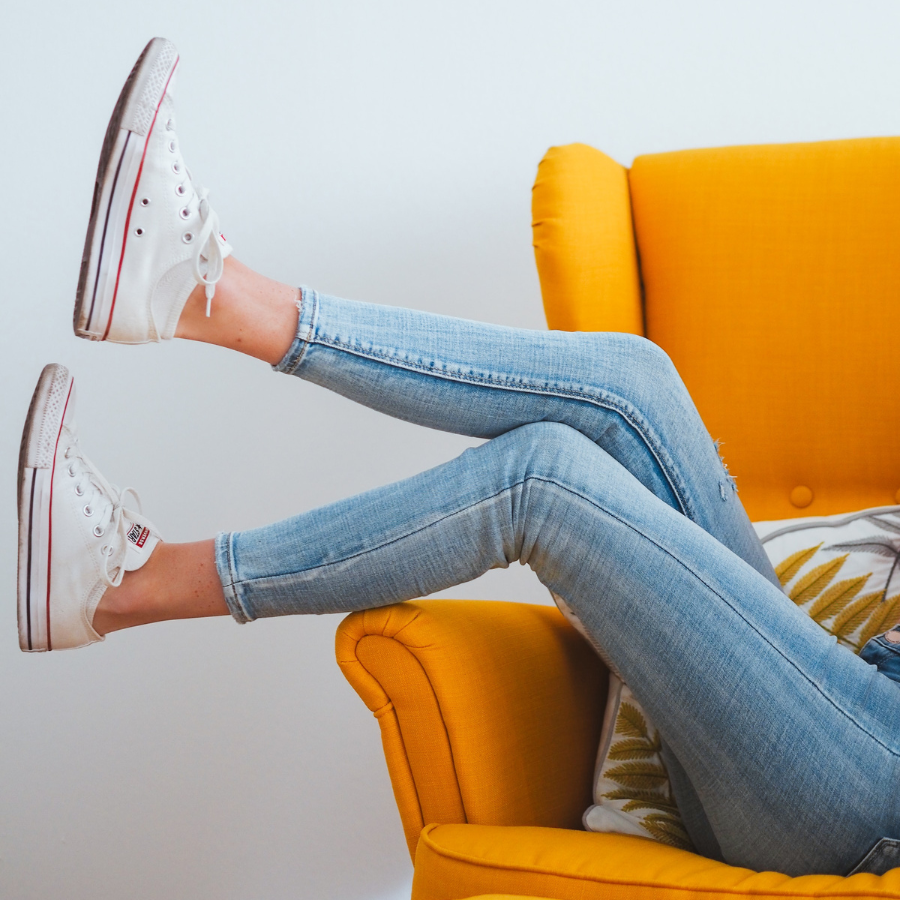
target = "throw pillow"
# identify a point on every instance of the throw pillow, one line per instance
(843, 571)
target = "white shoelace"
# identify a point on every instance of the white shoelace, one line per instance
(105, 498)
(208, 248)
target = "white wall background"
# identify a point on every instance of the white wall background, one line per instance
(383, 151)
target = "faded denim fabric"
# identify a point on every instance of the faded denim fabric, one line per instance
(884, 654)
(883, 857)
(784, 748)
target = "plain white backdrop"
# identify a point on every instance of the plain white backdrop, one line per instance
(383, 151)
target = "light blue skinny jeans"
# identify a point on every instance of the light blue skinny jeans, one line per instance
(783, 747)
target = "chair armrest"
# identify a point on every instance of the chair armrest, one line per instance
(584, 242)
(490, 712)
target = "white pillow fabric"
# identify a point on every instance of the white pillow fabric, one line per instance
(844, 571)
(841, 570)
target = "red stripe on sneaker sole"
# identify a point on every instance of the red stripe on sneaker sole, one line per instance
(137, 181)
(50, 513)
(109, 207)
(29, 560)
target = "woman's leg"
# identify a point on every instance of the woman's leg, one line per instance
(619, 390)
(178, 581)
(788, 739)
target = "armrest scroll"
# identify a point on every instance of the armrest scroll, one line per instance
(489, 711)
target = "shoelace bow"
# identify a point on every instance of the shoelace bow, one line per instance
(113, 513)
(208, 248)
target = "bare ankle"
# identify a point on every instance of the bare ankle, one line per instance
(179, 581)
(124, 605)
(250, 313)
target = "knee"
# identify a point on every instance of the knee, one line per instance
(550, 450)
(649, 359)
(625, 365)
(648, 377)
(550, 465)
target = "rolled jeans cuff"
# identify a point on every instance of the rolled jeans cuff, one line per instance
(228, 576)
(306, 322)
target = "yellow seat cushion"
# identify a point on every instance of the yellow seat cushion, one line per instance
(457, 861)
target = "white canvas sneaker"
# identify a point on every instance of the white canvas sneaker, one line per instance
(76, 538)
(152, 236)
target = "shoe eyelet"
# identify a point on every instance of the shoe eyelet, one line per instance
(181, 190)
(187, 237)
(79, 490)
(145, 201)
(176, 168)
(71, 470)
(170, 125)
(138, 231)
(172, 147)
(184, 212)
(98, 531)
(87, 510)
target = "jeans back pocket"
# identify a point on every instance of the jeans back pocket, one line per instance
(883, 652)
(883, 857)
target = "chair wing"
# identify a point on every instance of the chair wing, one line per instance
(772, 277)
(584, 242)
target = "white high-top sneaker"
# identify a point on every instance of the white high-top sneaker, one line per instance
(75, 536)
(152, 236)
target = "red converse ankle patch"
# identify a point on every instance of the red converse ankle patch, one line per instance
(138, 535)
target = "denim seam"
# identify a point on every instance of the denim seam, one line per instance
(230, 588)
(616, 404)
(737, 612)
(670, 554)
(400, 537)
(310, 296)
(874, 854)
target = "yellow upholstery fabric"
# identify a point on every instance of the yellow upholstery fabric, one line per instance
(584, 242)
(489, 712)
(456, 861)
(772, 277)
(490, 716)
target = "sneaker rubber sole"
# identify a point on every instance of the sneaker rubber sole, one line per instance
(115, 187)
(37, 461)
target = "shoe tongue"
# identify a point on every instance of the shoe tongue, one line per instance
(140, 539)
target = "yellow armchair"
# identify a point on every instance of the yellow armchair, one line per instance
(770, 275)
(489, 712)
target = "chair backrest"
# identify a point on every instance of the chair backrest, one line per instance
(771, 276)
